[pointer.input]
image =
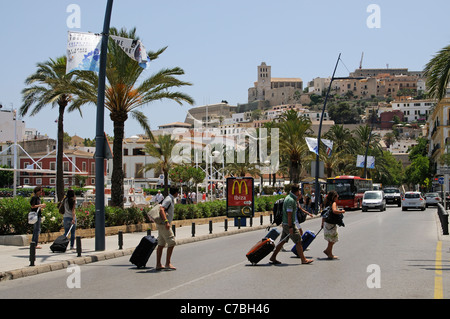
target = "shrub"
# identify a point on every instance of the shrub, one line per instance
(14, 214)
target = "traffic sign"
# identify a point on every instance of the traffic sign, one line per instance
(441, 180)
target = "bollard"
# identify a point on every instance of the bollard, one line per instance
(226, 224)
(271, 218)
(32, 253)
(149, 232)
(261, 219)
(443, 217)
(445, 224)
(78, 239)
(239, 222)
(120, 239)
(251, 221)
(193, 229)
(174, 231)
(210, 226)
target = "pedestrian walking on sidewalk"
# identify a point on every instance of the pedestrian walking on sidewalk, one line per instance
(69, 217)
(330, 229)
(290, 207)
(35, 203)
(165, 233)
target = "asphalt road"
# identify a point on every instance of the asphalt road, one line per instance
(382, 255)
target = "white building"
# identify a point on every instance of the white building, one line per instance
(414, 110)
(7, 122)
(402, 146)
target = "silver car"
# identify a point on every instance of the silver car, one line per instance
(373, 200)
(432, 199)
(413, 200)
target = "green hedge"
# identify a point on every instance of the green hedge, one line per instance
(14, 212)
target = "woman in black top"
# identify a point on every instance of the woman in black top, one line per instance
(35, 203)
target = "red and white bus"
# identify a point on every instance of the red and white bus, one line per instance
(350, 189)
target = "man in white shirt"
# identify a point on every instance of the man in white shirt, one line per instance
(159, 198)
(165, 233)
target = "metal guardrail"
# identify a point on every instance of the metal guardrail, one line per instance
(443, 217)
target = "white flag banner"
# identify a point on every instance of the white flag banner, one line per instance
(83, 51)
(370, 161)
(329, 145)
(134, 49)
(312, 144)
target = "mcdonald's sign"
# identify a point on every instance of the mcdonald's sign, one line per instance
(240, 197)
(240, 187)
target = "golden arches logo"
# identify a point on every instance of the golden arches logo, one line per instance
(240, 188)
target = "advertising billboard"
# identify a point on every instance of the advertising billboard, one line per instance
(240, 197)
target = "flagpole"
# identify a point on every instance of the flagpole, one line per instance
(317, 188)
(100, 138)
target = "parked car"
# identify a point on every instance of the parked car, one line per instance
(373, 200)
(413, 200)
(432, 199)
(393, 196)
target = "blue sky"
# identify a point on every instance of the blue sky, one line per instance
(220, 43)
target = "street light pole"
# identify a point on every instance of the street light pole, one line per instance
(100, 138)
(368, 143)
(317, 188)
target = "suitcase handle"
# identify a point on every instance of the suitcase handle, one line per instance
(67, 235)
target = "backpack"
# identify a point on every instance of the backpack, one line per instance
(278, 211)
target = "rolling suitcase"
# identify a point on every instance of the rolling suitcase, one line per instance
(273, 234)
(60, 244)
(307, 238)
(260, 250)
(143, 251)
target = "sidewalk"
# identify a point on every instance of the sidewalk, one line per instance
(15, 263)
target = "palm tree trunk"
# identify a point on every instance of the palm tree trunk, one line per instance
(117, 191)
(60, 153)
(166, 184)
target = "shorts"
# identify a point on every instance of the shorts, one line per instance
(330, 232)
(296, 237)
(165, 236)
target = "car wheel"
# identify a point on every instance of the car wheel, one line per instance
(403, 209)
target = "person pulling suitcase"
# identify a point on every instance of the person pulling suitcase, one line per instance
(165, 233)
(290, 207)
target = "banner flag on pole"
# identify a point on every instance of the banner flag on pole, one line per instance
(134, 49)
(312, 144)
(370, 161)
(83, 51)
(329, 145)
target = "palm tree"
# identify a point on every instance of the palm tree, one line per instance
(437, 72)
(124, 96)
(50, 85)
(161, 148)
(293, 130)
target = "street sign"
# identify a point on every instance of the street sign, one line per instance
(240, 197)
(441, 180)
(444, 170)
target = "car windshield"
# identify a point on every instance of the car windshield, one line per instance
(372, 195)
(431, 195)
(391, 191)
(412, 195)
